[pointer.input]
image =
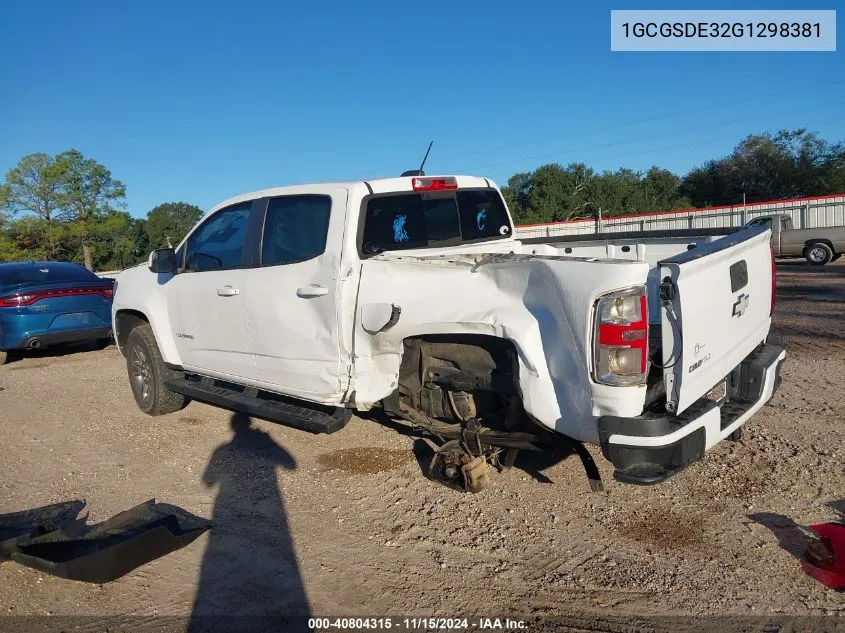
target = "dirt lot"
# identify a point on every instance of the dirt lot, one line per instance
(346, 525)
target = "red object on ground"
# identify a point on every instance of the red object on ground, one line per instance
(830, 575)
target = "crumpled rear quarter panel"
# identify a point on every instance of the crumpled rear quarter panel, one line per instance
(542, 304)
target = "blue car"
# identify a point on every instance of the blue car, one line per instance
(48, 303)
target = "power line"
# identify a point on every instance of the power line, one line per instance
(648, 151)
(648, 138)
(633, 122)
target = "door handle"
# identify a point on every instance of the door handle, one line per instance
(227, 291)
(311, 291)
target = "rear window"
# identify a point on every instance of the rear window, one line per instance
(420, 220)
(43, 273)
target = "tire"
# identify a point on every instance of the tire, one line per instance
(4, 356)
(836, 257)
(148, 374)
(818, 254)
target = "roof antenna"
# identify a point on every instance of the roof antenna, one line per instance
(419, 172)
(425, 158)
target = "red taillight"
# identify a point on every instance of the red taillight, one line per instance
(621, 345)
(434, 184)
(21, 299)
(774, 283)
(27, 298)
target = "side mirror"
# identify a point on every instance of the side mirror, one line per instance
(162, 260)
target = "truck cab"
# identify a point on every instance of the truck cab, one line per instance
(776, 223)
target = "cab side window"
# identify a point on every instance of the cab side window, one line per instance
(295, 229)
(218, 243)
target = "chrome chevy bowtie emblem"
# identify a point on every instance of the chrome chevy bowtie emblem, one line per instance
(741, 304)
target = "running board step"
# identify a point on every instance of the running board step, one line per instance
(288, 411)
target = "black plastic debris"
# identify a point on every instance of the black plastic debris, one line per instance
(35, 522)
(57, 543)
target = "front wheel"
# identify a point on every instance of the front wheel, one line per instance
(148, 374)
(818, 254)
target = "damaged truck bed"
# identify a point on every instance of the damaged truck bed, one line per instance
(302, 304)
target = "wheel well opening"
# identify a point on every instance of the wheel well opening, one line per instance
(819, 240)
(124, 322)
(458, 376)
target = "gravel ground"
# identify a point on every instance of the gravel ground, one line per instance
(346, 525)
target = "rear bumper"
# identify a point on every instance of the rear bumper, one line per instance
(59, 338)
(76, 322)
(649, 449)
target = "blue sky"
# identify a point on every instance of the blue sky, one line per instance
(199, 101)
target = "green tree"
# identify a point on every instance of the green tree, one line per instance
(554, 193)
(137, 234)
(117, 241)
(516, 194)
(9, 250)
(88, 192)
(788, 164)
(107, 238)
(34, 238)
(549, 194)
(32, 186)
(559, 193)
(170, 222)
(661, 191)
(616, 193)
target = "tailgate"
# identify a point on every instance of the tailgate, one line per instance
(716, 305)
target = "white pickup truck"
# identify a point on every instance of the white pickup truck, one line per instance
(301, 304)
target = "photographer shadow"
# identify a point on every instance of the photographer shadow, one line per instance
(250, 578)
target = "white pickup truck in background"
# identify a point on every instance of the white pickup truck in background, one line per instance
(301, 304)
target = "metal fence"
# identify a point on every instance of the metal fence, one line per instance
(806, 213)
